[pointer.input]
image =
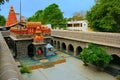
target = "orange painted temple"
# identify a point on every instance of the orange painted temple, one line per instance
(25, 35)
(27, 28)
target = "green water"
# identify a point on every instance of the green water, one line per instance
(27, 61)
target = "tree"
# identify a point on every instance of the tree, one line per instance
(105, 16)
(53, 15)
(2, 20)
(3, 1)
(50, 15)
(84, 55)
(96, 55)
(78, 16)
(36, 17)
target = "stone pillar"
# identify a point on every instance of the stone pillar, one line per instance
(67, 50)
(60, 47)
(75, 51)
(74, 54)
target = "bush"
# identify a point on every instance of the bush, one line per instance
(24, 69)
(95, 55)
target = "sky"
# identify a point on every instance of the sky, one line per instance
(29, 7)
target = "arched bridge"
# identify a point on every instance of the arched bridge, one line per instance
(74, 41)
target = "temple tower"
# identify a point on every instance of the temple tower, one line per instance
(12, 19)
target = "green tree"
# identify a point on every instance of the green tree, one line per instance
(105, 16)
(84, 55)
(96, 55)
(53, 15)
(36, 17)
(2, 20)
(3, 1)
(50, 15)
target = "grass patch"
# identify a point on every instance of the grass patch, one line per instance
(24, 69)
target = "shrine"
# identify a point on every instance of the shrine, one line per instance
(27, 38)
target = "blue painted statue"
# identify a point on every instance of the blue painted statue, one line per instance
(49, 50)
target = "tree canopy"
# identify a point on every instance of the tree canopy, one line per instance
(2, 20)
(3, 1)
(105, 16)
(36, 17)
(78, 16)
(95, 54)
(50, 15)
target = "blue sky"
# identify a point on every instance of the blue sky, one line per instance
(29, 7)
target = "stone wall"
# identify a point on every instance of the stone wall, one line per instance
(22, 47)
(5, 33)
(102, 38)
(109, 40)
(8, 67)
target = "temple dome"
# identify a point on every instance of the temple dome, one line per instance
(38, 35)
(38, 30)
(12, 19)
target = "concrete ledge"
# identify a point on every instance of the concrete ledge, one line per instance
(8, 67)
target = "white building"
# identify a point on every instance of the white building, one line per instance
(77, 25)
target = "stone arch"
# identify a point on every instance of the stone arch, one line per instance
(78, 50)
(116, 59)
(51, 42)
(58, 45)
(63, 46)
(30, 50)
(70, 48)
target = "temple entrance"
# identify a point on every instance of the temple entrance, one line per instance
(31, 50)
(39, 51)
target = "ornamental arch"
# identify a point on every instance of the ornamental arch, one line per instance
(70, 48)
(63, 46)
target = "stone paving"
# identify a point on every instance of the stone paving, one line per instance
(72, 69)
